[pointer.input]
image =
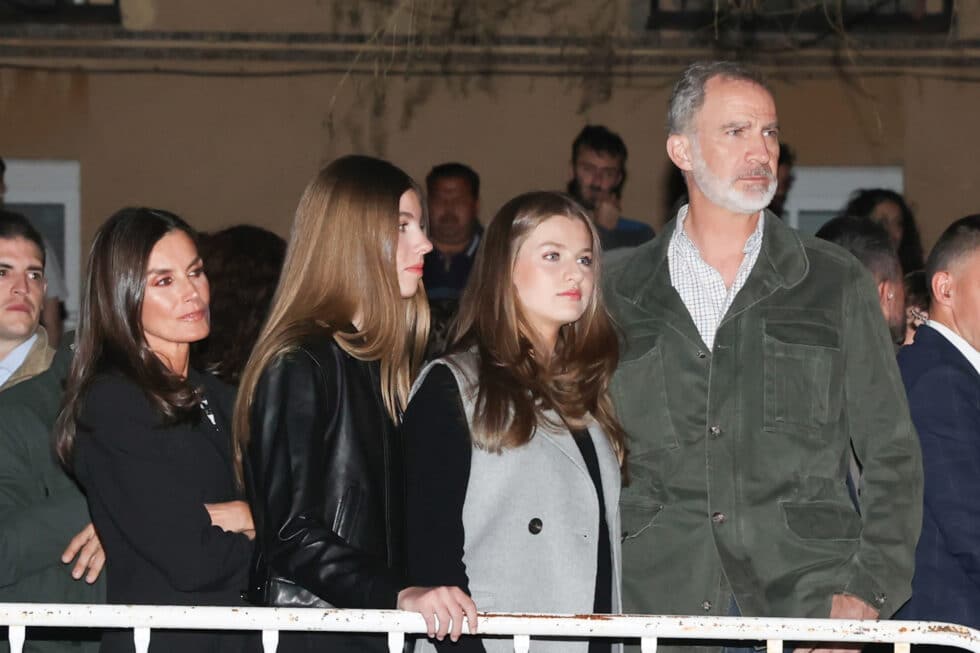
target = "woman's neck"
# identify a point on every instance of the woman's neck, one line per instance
(176, 358)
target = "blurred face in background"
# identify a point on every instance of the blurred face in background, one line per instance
(889, 215)
(597, 175)
(452, 213)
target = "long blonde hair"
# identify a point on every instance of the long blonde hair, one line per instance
(340, 263)
(515, 388)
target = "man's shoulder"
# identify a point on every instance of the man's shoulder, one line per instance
(630, 262)
(824, 250)
(932, 362)
(828, 264)
(40, 392)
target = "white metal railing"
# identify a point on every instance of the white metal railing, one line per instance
(143, 619)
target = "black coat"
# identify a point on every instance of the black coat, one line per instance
(324, 475)
(146, 485)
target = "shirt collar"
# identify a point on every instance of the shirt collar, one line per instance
(752, 243)
(12, 361)
(965, 348)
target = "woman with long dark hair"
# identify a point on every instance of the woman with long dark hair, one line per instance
(514, 453)
(148, 437)
(319, 401)
(891, 211)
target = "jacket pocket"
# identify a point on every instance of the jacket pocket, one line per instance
(345, 519)
(821, 520)
(637, 514)
(639, 393)
(799, 361)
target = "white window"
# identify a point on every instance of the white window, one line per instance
(48, 193)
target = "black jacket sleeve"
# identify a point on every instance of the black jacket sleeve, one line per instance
(438, 452)
(296, 438)
(127, 470)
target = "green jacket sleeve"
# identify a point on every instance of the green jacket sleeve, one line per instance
(40, 507)
(887, 447)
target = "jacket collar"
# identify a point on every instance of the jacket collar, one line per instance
(927, 336)
(37, 360)
(643, 278)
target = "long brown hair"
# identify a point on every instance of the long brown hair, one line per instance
(515, 387)
(110, 327)
(340, 263)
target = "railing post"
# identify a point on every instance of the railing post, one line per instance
(270, 641)
(16, 635)
(648, 645)
(522, 643)
(776, 646)
(396, 642)
(902, 647)
(141, 639)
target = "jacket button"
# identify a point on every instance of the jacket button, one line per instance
(880, 598)
(701, 354)
(706, 606)
(715, 430)
(535, 526)
(718, 517)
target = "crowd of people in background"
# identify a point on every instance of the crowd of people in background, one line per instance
(556, 412)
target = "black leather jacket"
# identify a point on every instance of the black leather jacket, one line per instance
(324, 473)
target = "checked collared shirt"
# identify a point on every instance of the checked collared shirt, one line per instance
(701, 287)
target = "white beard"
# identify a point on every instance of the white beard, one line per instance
(725, 194)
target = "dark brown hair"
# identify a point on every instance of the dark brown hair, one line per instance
(243, 265)
(110, 331)
(863, 203)
(515, 387)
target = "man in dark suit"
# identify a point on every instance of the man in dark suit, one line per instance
(940, 370)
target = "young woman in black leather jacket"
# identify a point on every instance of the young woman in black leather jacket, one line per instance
(318, 404)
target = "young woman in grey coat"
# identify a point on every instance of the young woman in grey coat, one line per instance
(513, 453)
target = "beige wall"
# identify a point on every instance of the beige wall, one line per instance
(222, 151)
(226, 149)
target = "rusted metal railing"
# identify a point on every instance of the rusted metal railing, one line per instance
(522, 627)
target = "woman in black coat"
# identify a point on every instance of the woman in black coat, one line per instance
(148, 438)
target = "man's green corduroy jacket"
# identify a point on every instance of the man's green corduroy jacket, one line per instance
(739, 454)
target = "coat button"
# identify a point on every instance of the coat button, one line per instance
(706, 606)
(701, 354)
(718, 517)
(715, 430)
(880, 598)
(535, 526)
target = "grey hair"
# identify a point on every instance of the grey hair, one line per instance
(687, 97)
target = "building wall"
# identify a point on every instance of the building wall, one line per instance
(225, 149)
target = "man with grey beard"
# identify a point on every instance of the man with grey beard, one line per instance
(754, 358)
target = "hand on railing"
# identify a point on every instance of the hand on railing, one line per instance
(232, 517)
(844, 606)
(90, 556)
(445, 604)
